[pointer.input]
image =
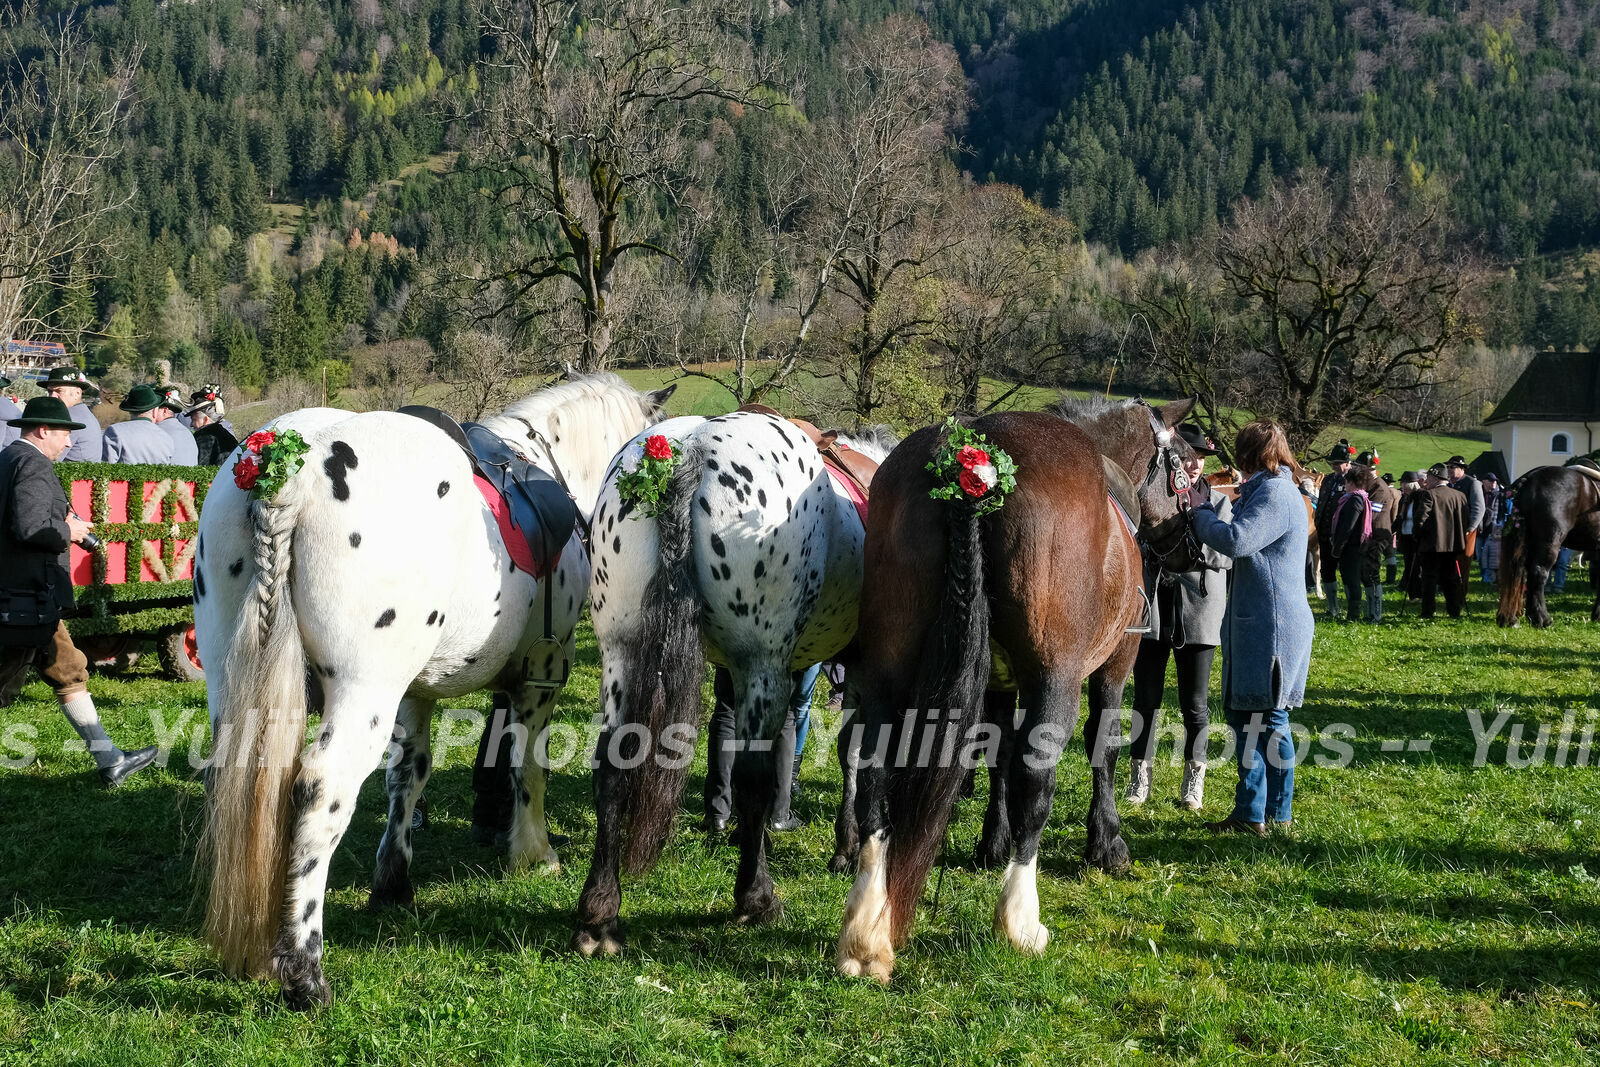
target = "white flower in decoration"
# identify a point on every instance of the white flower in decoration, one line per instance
(987, 474)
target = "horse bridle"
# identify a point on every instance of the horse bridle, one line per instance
(1166, 459)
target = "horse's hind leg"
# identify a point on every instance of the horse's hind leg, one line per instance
(992, 849)
(599, 928)
(405, 778)
(355, 729)
(1102, 733)
(763, 700)
(1050, 717)
(866, 946)
(1541, 559)
(530, 837)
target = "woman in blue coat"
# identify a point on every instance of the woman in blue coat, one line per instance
(1266, 632)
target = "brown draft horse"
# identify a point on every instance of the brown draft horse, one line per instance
(1027, 601)
(1555, 508)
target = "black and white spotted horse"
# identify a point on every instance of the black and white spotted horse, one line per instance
(753, 563)
(378, 569)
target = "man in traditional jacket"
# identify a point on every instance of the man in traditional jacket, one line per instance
(214, 440)
(68, 384)
(184, 449)
(1442, 545)
(37, 529)
(140, 439)
(1339, 458)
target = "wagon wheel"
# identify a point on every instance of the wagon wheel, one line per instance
(180, 656)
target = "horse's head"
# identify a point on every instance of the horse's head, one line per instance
(1166, 490)
(573, 429)
(1141, 440)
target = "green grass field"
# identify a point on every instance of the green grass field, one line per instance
(1423, 910)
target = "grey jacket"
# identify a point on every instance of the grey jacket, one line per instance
(184, 449)
(1266, 633)
(137, 441)
(8, 410)
(87, 446)
(1200, 596)
(1473, 489)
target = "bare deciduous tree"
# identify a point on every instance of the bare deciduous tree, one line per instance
(481, 368)
(61, 122)
(878, 179)
(592, 107)
(1350, 303)
(996, 292)
(395, 371)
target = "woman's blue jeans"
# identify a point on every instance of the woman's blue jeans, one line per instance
(1264, 749)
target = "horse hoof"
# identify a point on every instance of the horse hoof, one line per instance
(1111, 859)
(840, 864)
(307, 996)
(1034, 938)
(989, 856)
(602, 939)
(757, 913)
(875, 967)
(391, 895)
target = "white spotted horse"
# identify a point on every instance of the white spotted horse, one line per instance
(968, 617)
(753, 562)
(381, 572)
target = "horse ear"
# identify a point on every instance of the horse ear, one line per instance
(655, 402)
(1175, 412)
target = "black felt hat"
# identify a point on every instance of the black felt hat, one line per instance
(140, 399)
(69, 376)
(1197, 439)
(1343, 452)
(46, 411)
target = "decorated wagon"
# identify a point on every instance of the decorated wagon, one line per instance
(138, 583)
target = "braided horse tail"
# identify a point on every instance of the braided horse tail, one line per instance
(259, 735)
(949, 700)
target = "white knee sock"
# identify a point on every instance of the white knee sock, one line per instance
(79, 710)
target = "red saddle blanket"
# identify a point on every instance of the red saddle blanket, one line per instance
(516, 543)
(851, 489)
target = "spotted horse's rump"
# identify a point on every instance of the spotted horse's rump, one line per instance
(753, 563)
(379, 570)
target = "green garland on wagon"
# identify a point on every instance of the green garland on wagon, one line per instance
(101, 608)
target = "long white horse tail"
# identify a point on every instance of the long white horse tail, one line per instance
(256, 751)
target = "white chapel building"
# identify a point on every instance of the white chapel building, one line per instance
(1551, 414)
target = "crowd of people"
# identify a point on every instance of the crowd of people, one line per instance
(1438, 522)
(162, 427)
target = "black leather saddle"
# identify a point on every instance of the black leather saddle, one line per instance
(540, 507)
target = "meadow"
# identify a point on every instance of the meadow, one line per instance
(1423, 909)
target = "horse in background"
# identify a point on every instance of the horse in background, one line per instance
(1553, 508)
(753, 562)
(379, 570)
(961, 615)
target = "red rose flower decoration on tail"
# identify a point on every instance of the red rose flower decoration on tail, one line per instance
(658, 447)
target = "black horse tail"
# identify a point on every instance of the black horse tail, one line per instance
(663, 678)
(926, 772)
(1513, 571)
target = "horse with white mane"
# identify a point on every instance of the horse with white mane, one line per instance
(379, 571)
(753, 562)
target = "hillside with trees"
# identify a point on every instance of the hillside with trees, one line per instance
(859, 205)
